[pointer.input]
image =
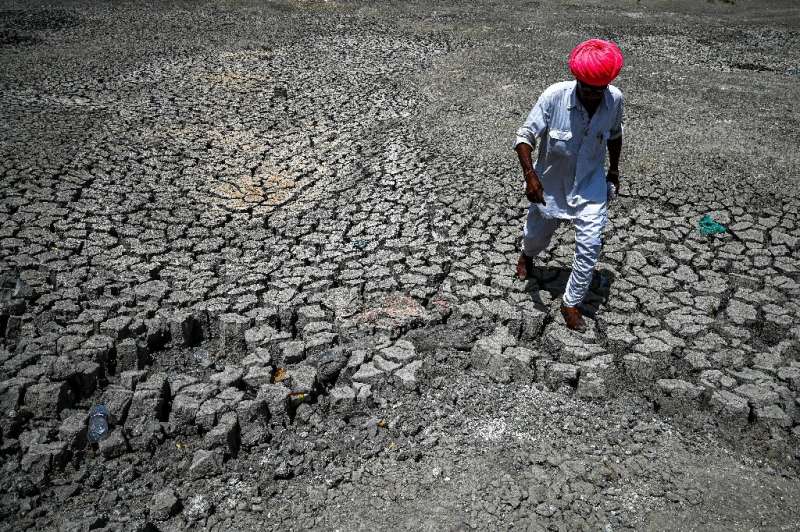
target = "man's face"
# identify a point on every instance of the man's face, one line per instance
(591, 94)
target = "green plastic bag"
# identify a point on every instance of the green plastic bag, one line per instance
(709, 226)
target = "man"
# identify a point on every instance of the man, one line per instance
(576, 121)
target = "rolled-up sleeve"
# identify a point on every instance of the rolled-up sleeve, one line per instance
(536, 122)
(617, 128)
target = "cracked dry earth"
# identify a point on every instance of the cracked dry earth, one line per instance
(277, 241)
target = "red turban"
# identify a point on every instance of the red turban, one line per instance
(595, 62)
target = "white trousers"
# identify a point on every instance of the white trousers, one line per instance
(536, 236)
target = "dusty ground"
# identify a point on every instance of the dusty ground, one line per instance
(277, 239)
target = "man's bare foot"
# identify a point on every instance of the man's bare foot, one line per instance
(524, 267)
(573, 318)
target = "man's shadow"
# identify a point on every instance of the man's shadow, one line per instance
(553, 280)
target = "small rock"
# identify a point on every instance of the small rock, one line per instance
(740, 313)
(203, 358)
(261, 357)
(407, 376)
(12, 393)
(117, 400)
(773, 415)
(73, 431)
(592, 386)
(758, 395)
(790, 375)
(184, 410)
(521, 354)
(230, 376)
(144, 435)
(205, 464)
(128, 355)
(115, 445)
(209, 413)
(696, 360)
(639, 368)
(232, 329)
(157, 334)
(197, 507)
(254, 434)
(342, 399)
(545, 510)
(557, 374)
(276, 397)
(184, 329)
(258, 376)
(308, 314)
(179, 382)
(767, 361)
(677, 394)
(164, 505)
(329, 364)
(368, 373)
(363, 394)
(303, 378)
(292, 352)
(253, 411)
(484, 350)
(512, 363)
(42, 458)
(729, 405)
(320, 342)
(48, 399)
(62, 368)
(384, 365)
(751, 376)
(283, 471)
(224, 435)
(131, 379)
(713, 378)
(401, 352)
(87, 375)
(32, 437)
(150, 399)
(257, 337)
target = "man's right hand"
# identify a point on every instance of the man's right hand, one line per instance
(533, 188)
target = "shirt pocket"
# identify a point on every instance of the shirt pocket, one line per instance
(560, 142)
(601, 139)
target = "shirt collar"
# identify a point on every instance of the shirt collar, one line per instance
(573, 97)
(607, 98)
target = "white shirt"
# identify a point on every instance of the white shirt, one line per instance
(571, 159)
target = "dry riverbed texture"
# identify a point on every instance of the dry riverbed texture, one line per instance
(277, 241)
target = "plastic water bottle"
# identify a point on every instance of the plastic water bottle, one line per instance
(98, 423)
